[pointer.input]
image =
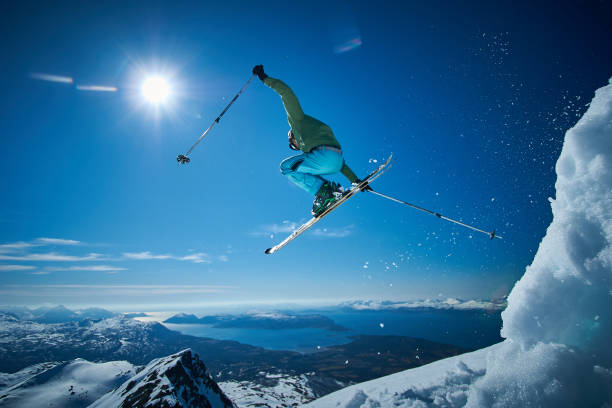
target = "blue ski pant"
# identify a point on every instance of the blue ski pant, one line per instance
(305, 169)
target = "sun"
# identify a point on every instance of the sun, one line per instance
(155, 89)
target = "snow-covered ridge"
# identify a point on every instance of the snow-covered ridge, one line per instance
(179, 380)
(69, 384)
(79, 383)
(56, 314)
(449, 303)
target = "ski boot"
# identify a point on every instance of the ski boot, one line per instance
(327, 195)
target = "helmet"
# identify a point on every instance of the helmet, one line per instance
(292, 143)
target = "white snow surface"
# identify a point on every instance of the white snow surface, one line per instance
(558, 322)
(289, 391)
(444, 383)
(74, 384)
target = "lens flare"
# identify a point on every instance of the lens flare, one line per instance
(96, 88)
(348, 45)
(51, 78)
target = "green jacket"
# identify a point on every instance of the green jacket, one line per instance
(309, 132)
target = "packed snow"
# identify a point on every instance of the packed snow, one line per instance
(559, 316)
(558, 322)
(444, 383)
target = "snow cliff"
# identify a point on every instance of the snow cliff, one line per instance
(558, 323)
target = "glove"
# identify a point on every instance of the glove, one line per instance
(366, 188)
(259, 71)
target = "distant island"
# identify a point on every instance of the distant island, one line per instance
(134, 315)
(267, 321)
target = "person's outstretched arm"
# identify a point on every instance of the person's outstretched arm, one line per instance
(290, 101)
(346, 170)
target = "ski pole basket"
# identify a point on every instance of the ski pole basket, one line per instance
(182, 159)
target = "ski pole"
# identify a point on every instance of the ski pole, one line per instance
(490, 234)
(182, 158)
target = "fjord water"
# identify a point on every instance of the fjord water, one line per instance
(468, 329)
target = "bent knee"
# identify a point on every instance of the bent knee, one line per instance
(290, 165)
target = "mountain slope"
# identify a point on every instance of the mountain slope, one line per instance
(444, 383)
(176, 381)
(69, 384)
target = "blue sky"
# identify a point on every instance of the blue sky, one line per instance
(474, 104)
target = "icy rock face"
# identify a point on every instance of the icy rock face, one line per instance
(176, 381)
(559, 316)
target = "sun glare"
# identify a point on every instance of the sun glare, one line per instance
(155, 89)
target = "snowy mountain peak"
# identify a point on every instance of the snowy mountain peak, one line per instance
(179, 380)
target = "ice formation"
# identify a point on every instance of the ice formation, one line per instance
(558, 323)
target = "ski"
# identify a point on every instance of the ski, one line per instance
(365, 182)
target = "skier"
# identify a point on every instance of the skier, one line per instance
(322, 154)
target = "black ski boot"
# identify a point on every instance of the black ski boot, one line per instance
(327, 195)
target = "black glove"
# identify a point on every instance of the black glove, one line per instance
(258, 70)
(366, 188)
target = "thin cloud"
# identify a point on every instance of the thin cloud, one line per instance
(142, 256)
(51, 78)
(58, 241)
(286, 227)
(9, 268)
(112, 290)
(199, 257)
(96, 88)
(93, 268)
(15, 246)
(51, 257)
(334, 232)
(22, 251)
(38, 242)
